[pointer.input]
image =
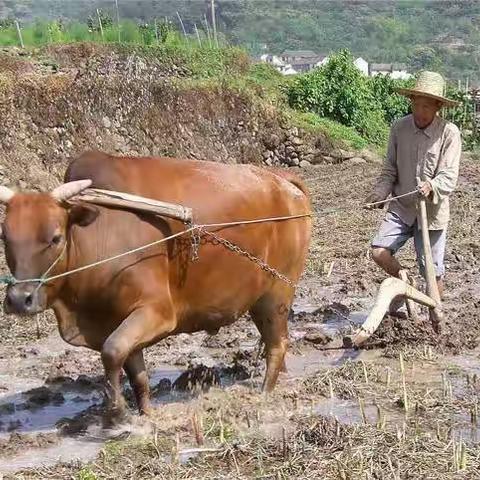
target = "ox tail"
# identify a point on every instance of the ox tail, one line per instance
(293, 179)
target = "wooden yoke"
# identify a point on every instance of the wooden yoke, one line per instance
(110, 198)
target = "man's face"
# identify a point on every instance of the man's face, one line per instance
(424, 110)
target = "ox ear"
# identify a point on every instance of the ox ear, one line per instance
(82, 214)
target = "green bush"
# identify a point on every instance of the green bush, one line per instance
(462, 116)
(391, 103)
(339, 91)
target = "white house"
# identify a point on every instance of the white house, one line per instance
(362, 65)
(288, 70)
(322, 62)
(397, 71)
(272, 59)
(283, 67)
(401, 75)
(292, 62)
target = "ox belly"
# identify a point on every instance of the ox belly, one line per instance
(209, 321)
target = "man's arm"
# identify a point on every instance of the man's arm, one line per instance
(445, 179)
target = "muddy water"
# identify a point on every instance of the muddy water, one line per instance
(43, 408)
(20, 414)
(456, 421)
(41, 411)
(28, 417)
(30, 407)
(69, 449)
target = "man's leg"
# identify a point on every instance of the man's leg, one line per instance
(384, 258)
(441, 286)
(392, 235)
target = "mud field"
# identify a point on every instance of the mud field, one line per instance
(403, 407)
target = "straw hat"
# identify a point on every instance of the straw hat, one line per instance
(430, 85)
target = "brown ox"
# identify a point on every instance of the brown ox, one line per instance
(125, 305)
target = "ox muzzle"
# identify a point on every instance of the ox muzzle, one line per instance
(25, 299)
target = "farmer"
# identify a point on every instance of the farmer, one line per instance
(424, 151)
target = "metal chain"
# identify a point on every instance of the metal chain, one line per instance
(236, 249)
(195, 245)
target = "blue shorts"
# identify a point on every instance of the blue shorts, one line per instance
(394, 233)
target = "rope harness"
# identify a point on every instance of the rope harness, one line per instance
(196, 232)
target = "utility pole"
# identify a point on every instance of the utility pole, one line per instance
(118, 21)
(182, 25)
(208, 31)
(198, 34)
(214, 22)
(100, 23)
(19, 33)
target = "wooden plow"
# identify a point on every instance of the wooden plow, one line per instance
(392, 288)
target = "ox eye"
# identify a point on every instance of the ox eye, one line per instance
(56, 239)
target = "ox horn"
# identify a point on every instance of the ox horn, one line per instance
(70, 189)
(6, 194)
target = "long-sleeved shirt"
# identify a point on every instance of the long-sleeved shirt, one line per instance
(431, 154)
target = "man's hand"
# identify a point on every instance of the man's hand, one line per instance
(374, 198)
(425, 189)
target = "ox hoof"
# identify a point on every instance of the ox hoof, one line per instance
(114, 417)
(359, 338)
(267, 390)
(146, 411)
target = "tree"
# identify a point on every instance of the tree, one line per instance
(424, 58)
(392, 104)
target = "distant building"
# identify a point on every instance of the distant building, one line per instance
(288, 70)
(362, 65)
(291, 62)
(272, 60)
(289, 56)
(280, 65)
(302, 60)
(394, 70)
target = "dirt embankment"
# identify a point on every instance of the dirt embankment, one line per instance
(67, 99)
(87, 97)
(63, 100)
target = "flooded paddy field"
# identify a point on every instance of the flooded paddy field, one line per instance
(404, 406)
